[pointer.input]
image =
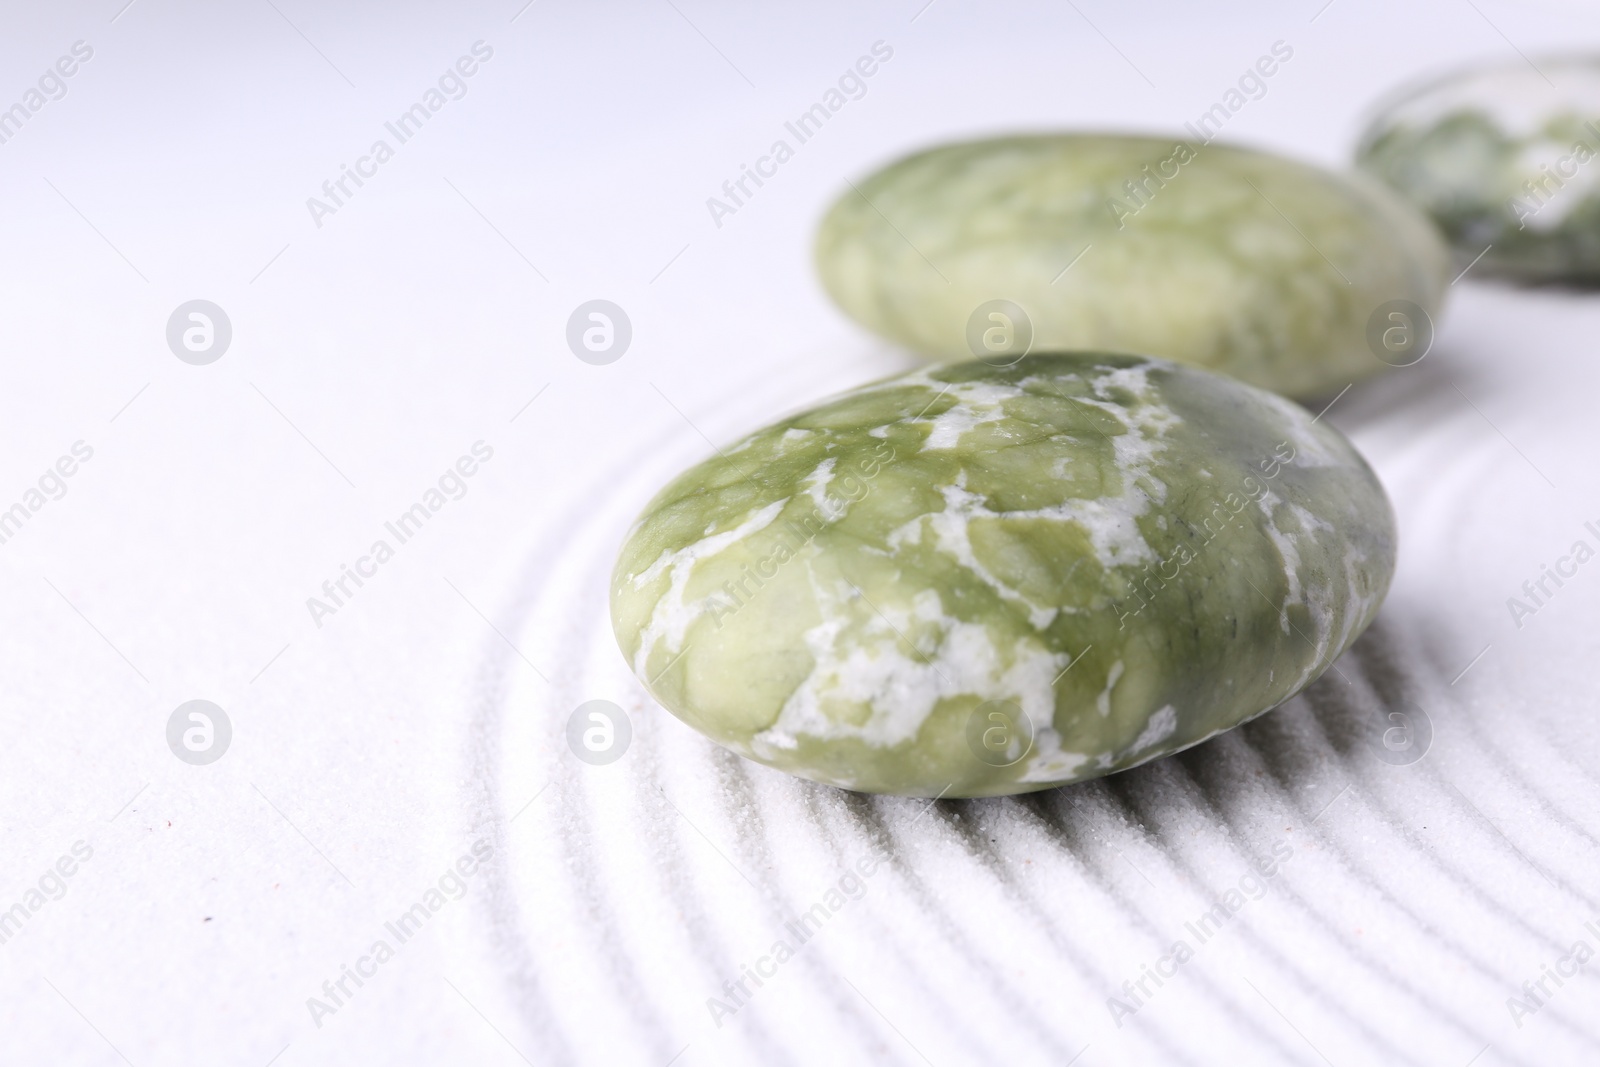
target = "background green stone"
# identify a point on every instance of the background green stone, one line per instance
(836, 594)
(1246, 263)
(1482, 151)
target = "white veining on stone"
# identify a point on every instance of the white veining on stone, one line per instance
(672, 615)
(862, 662)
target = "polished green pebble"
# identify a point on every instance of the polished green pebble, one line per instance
(1241, 262)
(1118, 556)
(1504, 157)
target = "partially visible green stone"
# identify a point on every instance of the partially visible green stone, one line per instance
(1504, 159)
(1241, 262)
(1118, 556)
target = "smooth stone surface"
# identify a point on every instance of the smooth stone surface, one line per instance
(1504, 160)
(1245, 263)
(1120, 556)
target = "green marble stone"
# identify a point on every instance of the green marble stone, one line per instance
(1504, 159)
(1118, 556)
(1237, 261)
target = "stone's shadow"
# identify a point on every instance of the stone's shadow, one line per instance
(1578, 286)
(1418, 396)
(1380, 674)
(1408, 391)
(1382, 677)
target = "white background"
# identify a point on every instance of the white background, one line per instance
(370, 752)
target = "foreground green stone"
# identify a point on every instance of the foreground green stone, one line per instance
(1238, 261)
(1504, 161)
(1121, 553)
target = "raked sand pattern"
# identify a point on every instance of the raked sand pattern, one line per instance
(1415, 901)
